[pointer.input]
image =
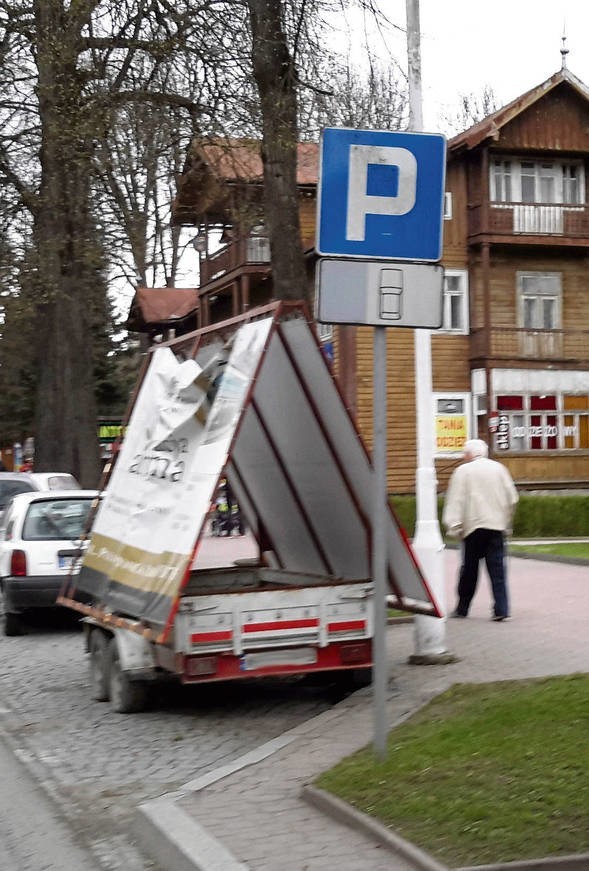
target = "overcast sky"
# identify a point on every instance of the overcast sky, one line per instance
(510, 45)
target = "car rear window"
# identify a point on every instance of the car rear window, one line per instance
(8, 489)
(62, 482)
(56, 519)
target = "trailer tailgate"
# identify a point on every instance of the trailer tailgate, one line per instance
(305, 618)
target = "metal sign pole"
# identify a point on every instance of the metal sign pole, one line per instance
(379, 490)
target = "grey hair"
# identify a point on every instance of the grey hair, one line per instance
(476, 448)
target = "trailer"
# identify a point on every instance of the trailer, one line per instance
(252, 402)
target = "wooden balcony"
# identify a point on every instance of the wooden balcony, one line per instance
(529, 224)
(244, 255)
(565, 347)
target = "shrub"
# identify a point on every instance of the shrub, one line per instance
(537, 515)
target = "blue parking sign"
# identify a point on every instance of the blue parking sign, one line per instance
(381, 194)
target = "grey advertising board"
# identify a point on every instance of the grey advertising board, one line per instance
(381, 293)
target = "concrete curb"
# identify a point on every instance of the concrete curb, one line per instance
(349, 816)
(176, 840)
(555, 863)
(549, 558)
(344, 813)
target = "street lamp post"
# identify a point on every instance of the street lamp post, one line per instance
(429, 632)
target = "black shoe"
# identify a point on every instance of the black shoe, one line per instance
(498, 618)
(458, 614)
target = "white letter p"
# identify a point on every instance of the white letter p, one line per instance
(360, 203)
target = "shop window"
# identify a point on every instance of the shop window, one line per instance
(576, 422)
(543, 403)
(541, 422)
(518, 433)
(510, 403)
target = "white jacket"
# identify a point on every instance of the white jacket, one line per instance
(481, 495)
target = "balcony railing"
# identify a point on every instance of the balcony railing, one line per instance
(520, 344)
(533, 219)
(243, 252)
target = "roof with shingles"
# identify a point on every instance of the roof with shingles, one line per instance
(490, 126)
(241, 160)
(224, 162)
(153, 306)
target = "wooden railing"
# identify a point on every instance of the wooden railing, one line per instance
(523, 344)
(529, 219)
(248, 251)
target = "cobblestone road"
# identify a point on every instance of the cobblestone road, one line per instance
(100, 765)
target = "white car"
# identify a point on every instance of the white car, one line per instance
(39, 543)
(12, 483)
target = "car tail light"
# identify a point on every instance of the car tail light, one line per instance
(18, 564)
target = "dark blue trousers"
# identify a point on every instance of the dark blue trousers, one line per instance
(487, 544)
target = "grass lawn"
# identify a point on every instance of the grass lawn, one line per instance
(392, 612)
(484, 773)
(576, 549)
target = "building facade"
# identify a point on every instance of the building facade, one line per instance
(511, 360)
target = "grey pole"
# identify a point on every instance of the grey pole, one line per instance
(379, 493)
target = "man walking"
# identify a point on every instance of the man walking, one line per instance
(478, 508)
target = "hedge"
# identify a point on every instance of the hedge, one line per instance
(536, 516)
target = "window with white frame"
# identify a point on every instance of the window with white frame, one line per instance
(539, 300)
(501, 181)
(455, 302)
(537, 181)
(325, 332)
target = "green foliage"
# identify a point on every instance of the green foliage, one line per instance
(405, 511)
(484, 773)
(573, 550)
(546, 516)
(536, 516)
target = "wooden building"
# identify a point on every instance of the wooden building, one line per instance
(511, 361)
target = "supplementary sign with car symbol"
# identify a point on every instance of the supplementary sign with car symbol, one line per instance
(380, 199)
(379, 293)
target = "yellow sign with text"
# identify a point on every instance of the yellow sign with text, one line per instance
(451, 433)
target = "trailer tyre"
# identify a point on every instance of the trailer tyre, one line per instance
(126, 696)
(354, 679)
(99, 666)
(13, 624)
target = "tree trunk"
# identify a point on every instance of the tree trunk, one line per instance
(68, 268)
(275, 77)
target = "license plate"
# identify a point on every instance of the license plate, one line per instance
(268, 658)
(65, 562)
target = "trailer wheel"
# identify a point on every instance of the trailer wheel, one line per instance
(99, 666)
(126, 696)
(353, 679)
(13, 624)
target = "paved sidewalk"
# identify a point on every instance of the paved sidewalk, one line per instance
(251, 814)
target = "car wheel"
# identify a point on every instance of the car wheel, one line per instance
(126, 696)
(13, 624)
(99, 666)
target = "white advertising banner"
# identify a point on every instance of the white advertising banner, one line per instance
(161, 488)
